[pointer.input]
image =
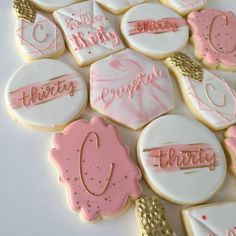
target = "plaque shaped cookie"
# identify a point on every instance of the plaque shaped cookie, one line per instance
(88, 32)
(37, 36)
(211, 99)
(130, 88)
(95, 168)
(181, 159)
(214, 38)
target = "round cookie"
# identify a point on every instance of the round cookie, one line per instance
(131, 89)
(118, 6)
(52, 5)
(95, 168)
(181, 159)
(37, 37)
(156, 34)
(46, 94)
(214, 38)
(184, 7)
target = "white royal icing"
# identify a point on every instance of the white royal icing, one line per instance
(186, 6)
(130, 88)
(41, 39)
(211, 220)
(157, 45)
(88, 32)
(52, 5)
(45, 93)
(118, 5)
(212, 99)
(194, 179)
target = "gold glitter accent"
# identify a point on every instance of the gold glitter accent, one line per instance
(24, 10)
(151, 215)
(186, 66)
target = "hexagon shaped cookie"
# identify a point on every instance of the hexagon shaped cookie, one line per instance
(130, 88)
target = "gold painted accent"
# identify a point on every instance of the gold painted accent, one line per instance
(186, 66)
(151, 216)
(24, 10)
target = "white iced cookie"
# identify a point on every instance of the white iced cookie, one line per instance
(130, 88)
(154, 30)
(37, 37)
(52, 5)
(217, 219)
(183, 7)
(88, 32)
(118, 6)
(181, 159)
(46, 94)
(210, 98)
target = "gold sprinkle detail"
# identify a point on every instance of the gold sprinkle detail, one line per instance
(151, 216)
(186, 66)
(24, 10)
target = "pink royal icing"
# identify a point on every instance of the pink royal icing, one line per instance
(95, 167)
(215, 36)
(181, 157)
(34, 94)
(156, 26)
(230, 142)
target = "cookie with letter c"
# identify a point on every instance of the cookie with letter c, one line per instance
(95, 168)
(36, 35)
(177, 154)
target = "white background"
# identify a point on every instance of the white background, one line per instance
(32, 201)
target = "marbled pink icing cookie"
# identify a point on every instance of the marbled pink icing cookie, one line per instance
(95, 168)
(230, 145)
(214, 37)
(130, 88)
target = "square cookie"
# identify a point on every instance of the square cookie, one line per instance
(88, 32)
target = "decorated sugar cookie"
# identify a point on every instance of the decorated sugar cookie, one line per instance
(183, 7)
(230, 146)
(217, 219)
(181, 159)
(214, 38)
(209, 97)
(88, 32)
(130, 88)
(156, 34)
(96, 168)
(118, 6)
(46, 94)
(151, 217)
(36, 35)
(52, 5)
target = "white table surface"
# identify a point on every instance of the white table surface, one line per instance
(32, 201)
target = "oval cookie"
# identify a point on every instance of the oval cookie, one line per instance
(181, 159)
(46, 94)
(130, 88)
(156, 34)
(96, 168)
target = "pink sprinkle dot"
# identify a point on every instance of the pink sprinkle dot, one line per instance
(204, 217)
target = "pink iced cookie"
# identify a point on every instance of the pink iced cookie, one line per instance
(130, 88)
(230, 145)
(96, 168)
(214, 37)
